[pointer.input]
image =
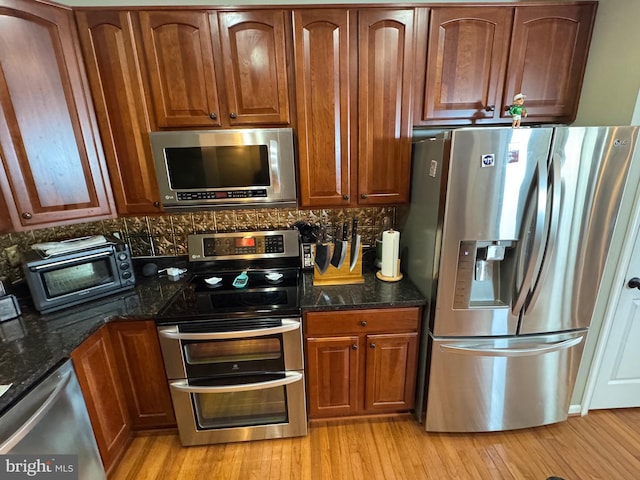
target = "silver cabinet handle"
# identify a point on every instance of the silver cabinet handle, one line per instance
(174, 334)
(34, 419)
(514, 352)
(290, 377)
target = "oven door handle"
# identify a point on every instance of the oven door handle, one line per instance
(174, 334)
(290, 377)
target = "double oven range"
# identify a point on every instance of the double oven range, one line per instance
(231, 340)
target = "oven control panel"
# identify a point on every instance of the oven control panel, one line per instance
(237, 245)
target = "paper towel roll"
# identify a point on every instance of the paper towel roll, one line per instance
(390, 250)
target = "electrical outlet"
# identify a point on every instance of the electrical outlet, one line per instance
(13, 255)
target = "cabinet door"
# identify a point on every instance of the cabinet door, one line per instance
(548, 59)
(466, 59)
(254, 51)
(116, 84)
(391, 371)
(332, 375)
(324, 77)
(95, 366)
(139, 360)
(385, 53)
(179, 59)
(54, 170)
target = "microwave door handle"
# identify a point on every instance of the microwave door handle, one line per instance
(290, 377)
(72, 260)
(173, 333)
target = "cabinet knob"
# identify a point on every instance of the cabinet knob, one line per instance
(233, 115)
(363, 323)
(354, 347)
(345, 197)
(27, 216)
(363, 196)
(213, 116)
(372, 345)
(156, 204)
(490, 108)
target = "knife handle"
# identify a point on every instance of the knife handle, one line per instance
(345, 230)
(354, 228)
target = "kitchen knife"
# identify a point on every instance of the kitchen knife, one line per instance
(355, 245)
(340, 246)
(322, 257)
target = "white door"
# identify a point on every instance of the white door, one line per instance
(617, 384)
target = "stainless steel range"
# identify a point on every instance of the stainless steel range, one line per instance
(231, 340)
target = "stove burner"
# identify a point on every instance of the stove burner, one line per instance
(216, 295)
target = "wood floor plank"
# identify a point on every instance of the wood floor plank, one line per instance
(602, 445)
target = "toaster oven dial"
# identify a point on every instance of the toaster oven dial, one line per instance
(122, 256)
(124, 266)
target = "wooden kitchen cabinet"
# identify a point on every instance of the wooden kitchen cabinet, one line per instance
(211, 69)
(109, 48)
(178, 57)
(54, 170)
(254, 53)
(471, 61)
(95, 366)
(353, 94)
(549, 49)
(361, 361)
(139, 362)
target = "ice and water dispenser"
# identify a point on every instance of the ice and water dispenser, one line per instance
(484, 274)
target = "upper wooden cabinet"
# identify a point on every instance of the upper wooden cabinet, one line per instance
(53, 167)
(254, 52)
(109, 49)
(353, 91)
(472, 60)
(549, 49)
(191, 56)
(178, 55)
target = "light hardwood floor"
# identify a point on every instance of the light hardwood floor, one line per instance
(602, 445)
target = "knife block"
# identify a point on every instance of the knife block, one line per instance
(342, 275)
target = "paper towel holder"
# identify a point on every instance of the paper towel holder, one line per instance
(384, 278)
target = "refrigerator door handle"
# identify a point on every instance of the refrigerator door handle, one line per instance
(552, 233)
(538, 244)
(543, 348)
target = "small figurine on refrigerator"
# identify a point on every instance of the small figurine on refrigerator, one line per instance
(517, 110)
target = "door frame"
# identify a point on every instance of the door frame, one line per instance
(630, 235)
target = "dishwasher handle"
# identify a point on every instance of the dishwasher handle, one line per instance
(35, 418)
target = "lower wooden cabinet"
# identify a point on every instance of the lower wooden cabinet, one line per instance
(99, 380)
(361, 361)
(124, 385)
(139, 363)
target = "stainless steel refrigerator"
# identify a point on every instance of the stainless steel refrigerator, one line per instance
(507, 236)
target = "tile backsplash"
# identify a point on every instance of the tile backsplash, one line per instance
(166, 235)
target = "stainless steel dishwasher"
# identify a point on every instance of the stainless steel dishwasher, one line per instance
(50, 420)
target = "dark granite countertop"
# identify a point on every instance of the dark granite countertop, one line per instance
(32, 345)
(373, 293)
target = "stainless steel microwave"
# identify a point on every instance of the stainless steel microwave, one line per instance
(77, 275)
(225, 168)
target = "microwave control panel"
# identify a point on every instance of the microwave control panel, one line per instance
(217, 194)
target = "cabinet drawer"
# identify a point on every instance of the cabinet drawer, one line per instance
(361, 321)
